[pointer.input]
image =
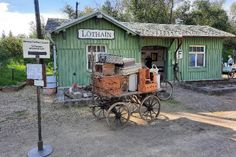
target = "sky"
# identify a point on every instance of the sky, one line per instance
(16, 15)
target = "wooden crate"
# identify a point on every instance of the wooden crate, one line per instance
(105, 69)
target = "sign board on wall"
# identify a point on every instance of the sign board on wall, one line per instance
(95, 34)
(179, 54)
(34, 47)
(34, 71)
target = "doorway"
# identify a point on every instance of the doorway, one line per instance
(158, 57)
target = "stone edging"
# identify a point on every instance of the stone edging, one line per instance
(13, 88)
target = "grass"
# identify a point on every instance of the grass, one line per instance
(19, 68)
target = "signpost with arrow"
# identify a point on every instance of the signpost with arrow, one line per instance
(37, 48)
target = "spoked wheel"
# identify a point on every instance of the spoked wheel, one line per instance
(231, 75)
(98, 109)
(118, 115)
(133, 104)
(166, 90)
(150, 108)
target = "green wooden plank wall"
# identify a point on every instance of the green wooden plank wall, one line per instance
(72, 51)
(212, 69)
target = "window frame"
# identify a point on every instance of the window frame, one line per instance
(89, 53)
(196, 54)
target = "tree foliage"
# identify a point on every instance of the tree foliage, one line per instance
(10, 47)
(210, 13)
(204, 12)
(71, 12)
(117, 9)
(33, 31)
(155, 11)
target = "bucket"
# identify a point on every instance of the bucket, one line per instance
(133, 82)
(51, 86)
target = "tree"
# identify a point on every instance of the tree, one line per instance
(87, 10)
(3, 35)
(10, 34)
(233, 14)
(204, 12)
(231, 43)
(154, 11)
(33, 31)
(210, 13)
(69, 11)
(10, 47)
(233, 8)
(109, 9)
(183, 12)
(117, 9)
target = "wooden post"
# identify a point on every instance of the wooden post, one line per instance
(12, 74)
(92, 77)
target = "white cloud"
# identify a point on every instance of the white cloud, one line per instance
(3, 7)
(18, 22)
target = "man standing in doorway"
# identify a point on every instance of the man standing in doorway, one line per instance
(148, 62)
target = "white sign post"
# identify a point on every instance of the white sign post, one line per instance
(36, 47)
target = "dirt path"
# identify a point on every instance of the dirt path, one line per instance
(192, 124)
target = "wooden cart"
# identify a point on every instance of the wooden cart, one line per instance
(116, 104)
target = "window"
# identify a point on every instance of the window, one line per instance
(196, 56)
(96, 49)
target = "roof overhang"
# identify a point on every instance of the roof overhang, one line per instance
(98, 15)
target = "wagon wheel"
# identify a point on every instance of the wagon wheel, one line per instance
(118, 115)
(166, 90)
(134, 104)
(150, 108)
(231, 74)
(98, 109)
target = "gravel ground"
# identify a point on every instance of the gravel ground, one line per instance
(191, 124)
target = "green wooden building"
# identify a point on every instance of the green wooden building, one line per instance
(197, 50)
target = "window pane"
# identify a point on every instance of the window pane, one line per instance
(192, 60)
(98, 49)
(200, 59)
(103, 49)
(194, 49)
(202, 49)
(94, 49)
(89, 48)
(198, 49)
(89, 61)
(190, 49)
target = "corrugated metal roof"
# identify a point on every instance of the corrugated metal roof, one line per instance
(144, 29)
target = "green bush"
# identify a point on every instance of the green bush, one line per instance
(19, 67)
(10, 47)
(15, 66)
